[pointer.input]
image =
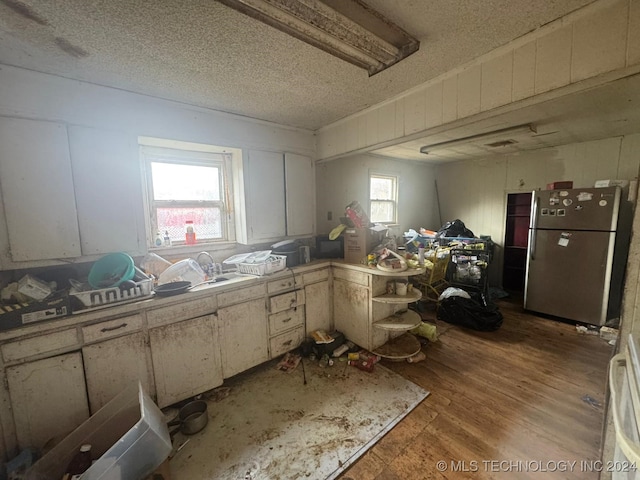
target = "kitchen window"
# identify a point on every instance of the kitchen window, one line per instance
(187, 182)
(383, 198)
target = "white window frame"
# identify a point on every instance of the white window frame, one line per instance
(393, 202)
(187, 153)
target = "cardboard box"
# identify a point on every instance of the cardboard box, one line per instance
(560, 185)
(358, 242)
(17, 315)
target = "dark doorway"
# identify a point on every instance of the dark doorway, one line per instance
(516, 240)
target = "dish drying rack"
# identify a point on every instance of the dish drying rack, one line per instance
(113, 295)
(258, 263)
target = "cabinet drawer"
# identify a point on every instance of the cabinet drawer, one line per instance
(282, 321)
(112, 328)
(181, 311)
(51, 342)
(286, 301)
(286, 342)
(352, 276)
(284, 284)
(240, 296)
(317, 276)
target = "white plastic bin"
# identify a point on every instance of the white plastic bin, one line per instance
(129, 436)
(626, 460)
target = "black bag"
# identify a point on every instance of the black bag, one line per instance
(454, 229)
(470, 312)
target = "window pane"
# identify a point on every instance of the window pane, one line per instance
(207, 222)
(382, 211)
(382, 188)
(185, 182)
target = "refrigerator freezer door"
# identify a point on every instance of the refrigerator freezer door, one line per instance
(568, 274)
(578, 209)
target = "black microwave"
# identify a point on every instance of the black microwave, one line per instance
(326, 248)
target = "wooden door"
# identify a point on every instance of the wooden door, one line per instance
(516, 241)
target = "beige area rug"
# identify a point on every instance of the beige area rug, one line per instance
(270, 425)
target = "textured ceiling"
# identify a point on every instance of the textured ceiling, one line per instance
(203, 53)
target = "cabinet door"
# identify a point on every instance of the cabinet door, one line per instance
(106, 173)
(243, 332)
(113, 365)
(318, 307)
(37, 190)
(351, 311)
(300, 194)
(186, 359)
(48, 398)
(264, 196)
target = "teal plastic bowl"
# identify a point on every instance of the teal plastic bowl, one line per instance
(111, 270)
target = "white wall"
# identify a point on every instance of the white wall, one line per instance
(115, 119)
(340, 182)
(590, 46)
(476, 191)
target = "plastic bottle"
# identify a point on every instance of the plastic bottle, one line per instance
(421, 255)
(167, 239)
(80, 463)
(158, 242)
(190, 234)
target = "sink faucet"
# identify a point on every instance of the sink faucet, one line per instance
(209, 266)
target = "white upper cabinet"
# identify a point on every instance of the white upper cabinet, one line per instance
(263, 190)
(106, 175)
(37, 191)
(300, 194)
(276, 195)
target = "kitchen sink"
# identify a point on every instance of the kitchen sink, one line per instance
(224, 279)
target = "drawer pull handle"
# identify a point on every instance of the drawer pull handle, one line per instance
(287, 343)
(286, 320)
(111, 329)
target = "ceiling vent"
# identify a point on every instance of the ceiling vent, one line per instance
(501, 143)
(502, 137)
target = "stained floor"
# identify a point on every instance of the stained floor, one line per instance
(524, 402)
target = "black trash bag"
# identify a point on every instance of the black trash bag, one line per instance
(474, 313)
(454, 229)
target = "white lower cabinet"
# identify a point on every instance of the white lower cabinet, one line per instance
(351, 311)
(285, 342)
(243, 334)
(112, 365)
(318, 307)
(48, 398)
(186, 359)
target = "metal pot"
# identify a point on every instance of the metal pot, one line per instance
(192, 418)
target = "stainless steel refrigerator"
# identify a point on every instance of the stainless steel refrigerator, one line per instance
(577, 252)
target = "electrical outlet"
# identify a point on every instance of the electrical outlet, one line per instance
(329, 215)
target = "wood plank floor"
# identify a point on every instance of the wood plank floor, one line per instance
(505, 404)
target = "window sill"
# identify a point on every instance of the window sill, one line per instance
(189, 249)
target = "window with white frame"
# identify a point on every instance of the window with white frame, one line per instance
(383, 198)
(187, 184)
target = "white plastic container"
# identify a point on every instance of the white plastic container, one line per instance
(128, 435)
(34, 288)
(183, 270)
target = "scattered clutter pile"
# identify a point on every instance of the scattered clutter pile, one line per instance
(325, 349)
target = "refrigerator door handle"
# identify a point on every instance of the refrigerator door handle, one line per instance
(533, 229)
